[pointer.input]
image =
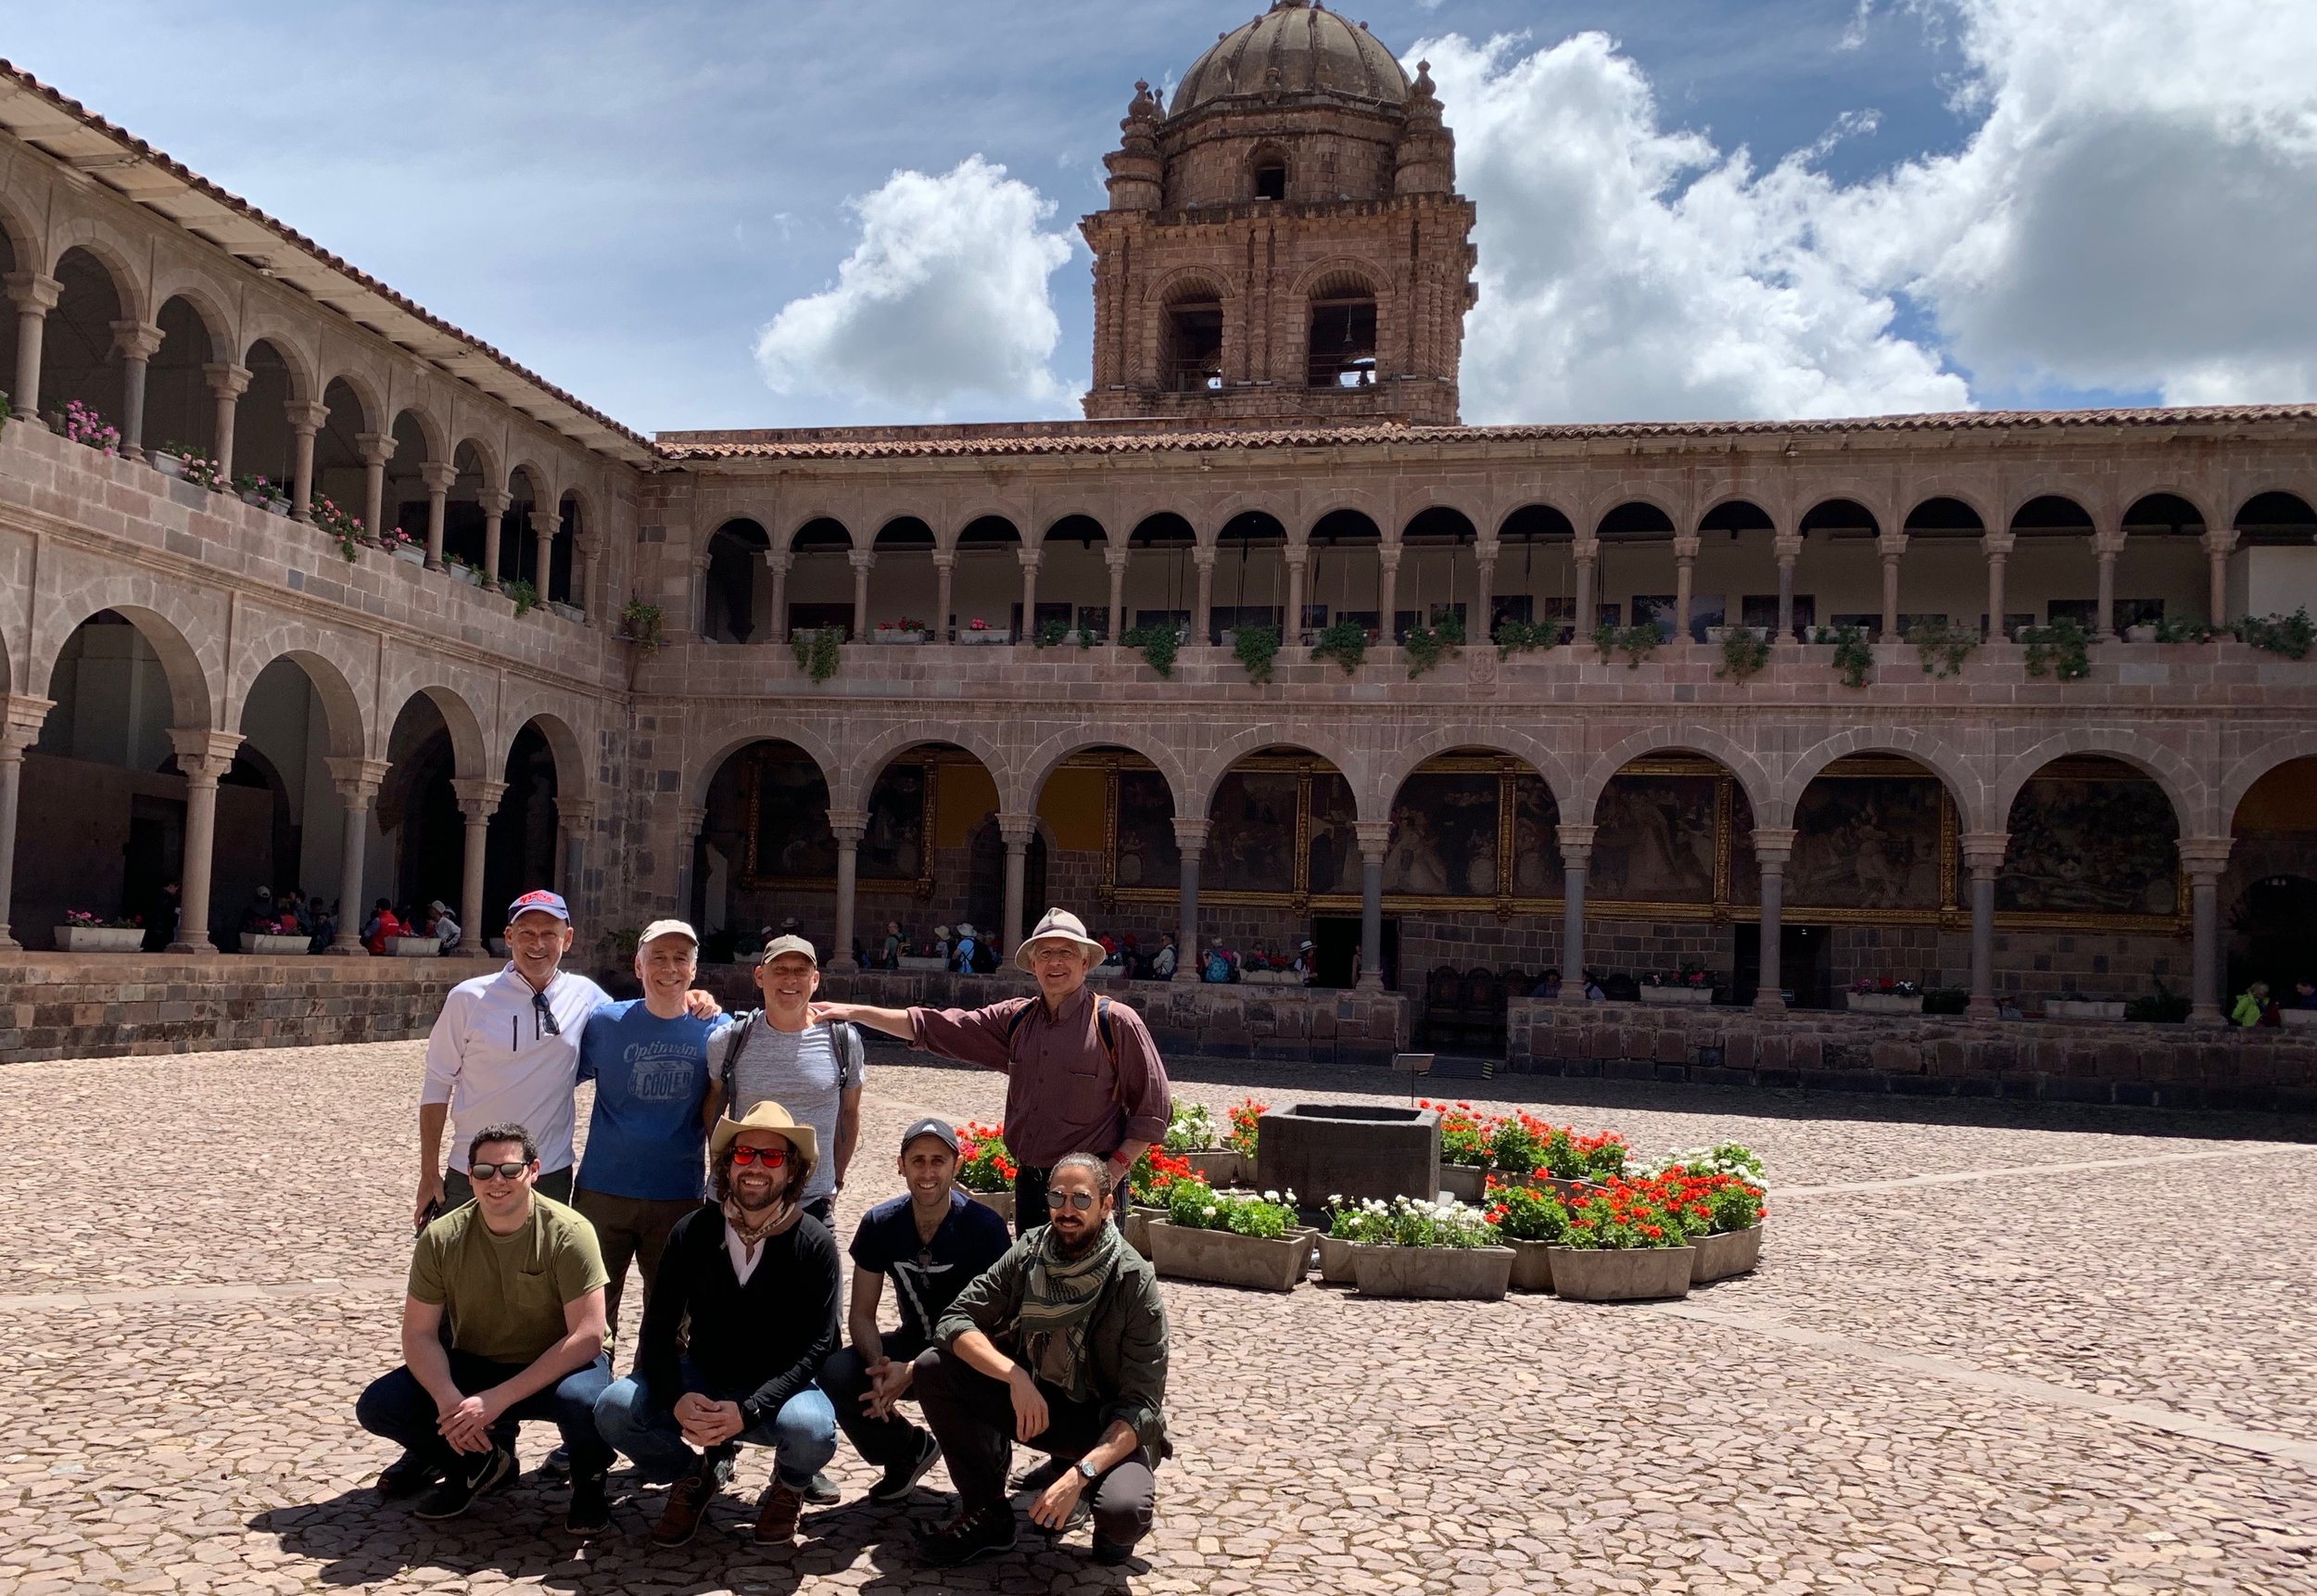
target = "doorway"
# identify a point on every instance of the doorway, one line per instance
(1335, 950)
(1801, 963)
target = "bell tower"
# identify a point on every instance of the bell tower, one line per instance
(1284, 243)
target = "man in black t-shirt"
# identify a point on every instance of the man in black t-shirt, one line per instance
(931, 1241)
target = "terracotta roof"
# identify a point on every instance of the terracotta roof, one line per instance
(622, 442)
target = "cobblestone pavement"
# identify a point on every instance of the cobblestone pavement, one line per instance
(1989, 1349)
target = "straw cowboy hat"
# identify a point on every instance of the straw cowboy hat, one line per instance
(1059, 925)
(767, 1116)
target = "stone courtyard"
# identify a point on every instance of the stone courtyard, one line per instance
(1990, 1349)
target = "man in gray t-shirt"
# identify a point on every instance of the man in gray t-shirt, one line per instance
(812, 1070)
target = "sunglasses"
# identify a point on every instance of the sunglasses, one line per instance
(546, 1015)
(482, 1174)
(1081, 1201)
(771, 1158)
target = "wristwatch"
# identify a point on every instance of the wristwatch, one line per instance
(1088, 1471)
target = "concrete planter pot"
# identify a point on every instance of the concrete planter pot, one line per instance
(278, 505)
(1719, 1256)
(1451, 1274)
(1219, 1165)
(2140, 634)
(1691, 996)
(1463, 1182)
(1622, 1274)
(1222, 1257)
(572, 613)
(1881, 1003)
(1532, 1265)
(988, 637)
(467, 573)
(260, 942)
(1001, 1202)
(409, 554)
(169, 465)
(1336, 1265)
(2081, 1008)
(1136, 1227)
(99, 939)
(414, 947)
(923, 962)
(896, 635)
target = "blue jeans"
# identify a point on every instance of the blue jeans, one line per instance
(802, 1436)
(398, 1407)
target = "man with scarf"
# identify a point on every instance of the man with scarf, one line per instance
(1062, 1346)
(756, 1274)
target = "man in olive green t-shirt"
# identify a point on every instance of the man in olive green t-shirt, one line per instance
(518, 1280)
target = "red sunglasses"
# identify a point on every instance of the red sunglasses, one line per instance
(771, 1158)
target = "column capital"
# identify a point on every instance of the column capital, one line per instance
(1017, 830)
(33, 291)
(1029, 558)
(2108, 542)
(478, 796)
(1375, 840)
(1773, 845)
(1891, 544)
(24, 718)
(779, 565)
(203, 756)
(861, 559)
(375, 448)
(227, 379)
(2220, 540)
(850, 825)
(1203, 557)
(1983, 850)
(494, 500)
(1787, 547)
(1997, 545)
(439, 476)
(357, 779)
(1297, 556)
(2205, 858)
(306, 417)
(1387, 556)
(1686, 546)
(575, 811)
(1584, 551)
(690, 821)
(945, 559)
(1576, 838)
(135, 340)
(1190, 837)
(546, 523)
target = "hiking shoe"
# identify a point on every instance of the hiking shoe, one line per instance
(822, 1491)
(1109, 1553)
(968, 1536)
(901, 1478)
(688, 1500)
(407, 1475)
(1037, 1477)
(468, 1480)
(776, 1520)
(590, 1509)
(1080, 1510)
(556, 1467)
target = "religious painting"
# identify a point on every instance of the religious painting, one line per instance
(1538, 871)
(893, 847)
(2088, 842)
(1146, 852)
(1745, 871)
(1866, 842)
(788, 802)
(1251, 832)
(1654, 839)
(1444, 837)
(1333, 860)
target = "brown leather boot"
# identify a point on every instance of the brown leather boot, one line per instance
(775, 1521)
(688, 1500)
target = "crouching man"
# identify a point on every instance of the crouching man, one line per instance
(519, 1279)
(1061, 1345)
(757, 1277)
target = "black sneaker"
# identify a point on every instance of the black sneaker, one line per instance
(459, 1490)
(590, 1509)
(407, 1475)
(1080, 1510)
(557, 1466)
(1109, 1553)
(969, 1536)
(901, 1478)
(1037, 1477)
(821, 1491)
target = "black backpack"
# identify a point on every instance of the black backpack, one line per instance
(851, 1054)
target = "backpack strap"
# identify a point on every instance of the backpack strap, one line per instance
(850, 1053)
(732, 1045)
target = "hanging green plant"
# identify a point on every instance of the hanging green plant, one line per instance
(1637, 643)
(526, 597)
(1854, 655)
(642, 624)
(1744, 654)
(1256, 648)
(2292, 636)
(1346, 642)
(816, 649)
(1158, 643)
(1526, 637)
(2184, 629)
(1427, 646)
(1053, 634)
(2062, 649)
(1943, 647)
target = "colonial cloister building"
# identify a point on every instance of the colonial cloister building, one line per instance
(358, 697)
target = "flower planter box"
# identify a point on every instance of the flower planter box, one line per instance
(2081, 1008)
(1136, 1226)
(1463, 1182)
(247, 496)
(169, 465)
(1564, 1188)
(1001, 1202)
(408, 552)
(1622, 1274)
(466, 574)
(1335, 1261)
(1222, 1258)
(2141, 634)
(1219, 1165)
(278, 505)
(260, 941)
(895, 635)
(1697, 996)
(1881, 1003)
(414, 947)
(1719, 1256)
(1723, 634)
(1452, 1273)
(1532, 1265)
(100, 939)
(988, 637)
(572, 613)
(925, 962)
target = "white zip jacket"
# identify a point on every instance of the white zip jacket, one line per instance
(492, 1059)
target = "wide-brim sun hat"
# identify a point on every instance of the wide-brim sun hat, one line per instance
(765, 1116)
(1059, 925)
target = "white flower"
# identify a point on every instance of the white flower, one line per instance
(1271, 1197)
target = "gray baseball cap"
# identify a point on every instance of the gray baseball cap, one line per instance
(930, 1126)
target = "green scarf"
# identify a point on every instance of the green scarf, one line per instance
(1058, 1300)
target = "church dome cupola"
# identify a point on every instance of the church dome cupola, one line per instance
(1294, 48)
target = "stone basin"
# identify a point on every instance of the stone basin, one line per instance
(1352, 1150)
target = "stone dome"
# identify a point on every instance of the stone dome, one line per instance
(1310, 48)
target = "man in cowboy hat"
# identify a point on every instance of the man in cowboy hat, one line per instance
(757, 1276)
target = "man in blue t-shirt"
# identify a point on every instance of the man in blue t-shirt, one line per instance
(647, 1139)
(931, 1241)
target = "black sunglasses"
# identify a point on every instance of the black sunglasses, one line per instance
(546, 1015)
(481, 1174)
(1081, 1201)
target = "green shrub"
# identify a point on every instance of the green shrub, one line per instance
(1346, 642)
(2062, 649)
(1256, 648)
(1943, 647)
(525, 595)
(1744, 654)
(641, 622)
(1523, 637)
(1158, 643)
(1427, 646)
(1637, 643)
(2164, 1007)
(1854, 655)
(2292, 636)
(816, 649)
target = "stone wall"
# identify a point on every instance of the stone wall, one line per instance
(2171, 1065)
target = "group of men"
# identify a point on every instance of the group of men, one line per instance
(715, 1150)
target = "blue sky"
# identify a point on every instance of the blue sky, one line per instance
(1803, 206)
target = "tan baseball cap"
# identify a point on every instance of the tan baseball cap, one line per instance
(659, 929)
(782, 945)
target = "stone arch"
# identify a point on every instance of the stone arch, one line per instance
(116, 258)
(1761, 791)
(187, 641)
(493, 463)
(2245, 500)
(2190, 798)
(1339, 275)
(1878, 508)
(366, 395)
(798, 524)
(470, 749)
(1365, 506)
(530, 468)
(1201, 280)
(2063, 488)
(807, 740)
(1761, 502)
(1539, 755)
(1964, 784)
(1020, 785)
(1971, 499)
(1604, 505)
(1504, 522)
(23, 238)
(282, 337)
(2132, 499)
(848, 786)
(431, 431)
(333, 662)
(2273, 751)
(208, 306)
(1213, 764)
(572, 783)
(960, 522)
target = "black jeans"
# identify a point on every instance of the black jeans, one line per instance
(398, 1408)
(884, 1442)
(972, 1417)
(1029, 1199)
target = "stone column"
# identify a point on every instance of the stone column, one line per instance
(203, 756)
(1982, 851)
(861, 560)
(136, 343)
(494, 501)
(1685, 580)
(357, 782)
(1893, 545)
(1116, 560)
(543, 527)
(1016, 830)
(24, 719)
(228, 382)
(2107, 544)
(1788, 549)
(587, 556)
(1375, 840)
(438, 478)
(696, 594)
(1577, 858)
(2204, 859)
(377, 447)
(1388, 592)
(478, 801)
(577, 814)
(33, 297)
(1773, 845)
(944, 583)
(690, 820)
(1586, 551)
(306, 419)
(1298, 556)
(1202, 612)
(1998, 547)
(780, 566)
(1190, 838)
(1484, 594)
(851, 826)
(2219, 544)
(1031, 559)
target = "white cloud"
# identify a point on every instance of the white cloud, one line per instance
(942, 304)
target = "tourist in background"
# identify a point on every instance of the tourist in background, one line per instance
(1162, 962)
(442, 927)
(2253, 1007)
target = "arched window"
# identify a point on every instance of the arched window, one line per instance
(1190, 358)
(1270, 174)
(1342, 351)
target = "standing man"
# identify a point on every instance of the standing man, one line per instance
(648, 1134)
(516, 1278)
(785, 1053)
(1062, 1347)
(930, 1241)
